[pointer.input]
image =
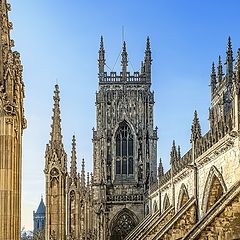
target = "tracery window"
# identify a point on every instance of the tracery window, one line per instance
(123, 225)
(124, 150)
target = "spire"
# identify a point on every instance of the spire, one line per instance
(124, 62)
(160, 169)
(88, 181)
(73, 167)
(5, 41)
(148, 60)
(179, 152)
(56, 135)
(220, 70)
(237, 80)
(229, 62)
(213, 80)
(83, 173)
(196, 128)
(101, 60)
(173, 153)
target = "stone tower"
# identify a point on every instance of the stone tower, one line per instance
(39, 219)
(55, 172)
(124, 146)
(12, 123)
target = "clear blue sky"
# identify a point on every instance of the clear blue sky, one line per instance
(60, 39)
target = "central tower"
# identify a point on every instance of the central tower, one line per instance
(124, 146)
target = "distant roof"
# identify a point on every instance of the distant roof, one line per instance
(41, 207)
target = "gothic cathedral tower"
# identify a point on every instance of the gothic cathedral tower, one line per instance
(55, 172)
(12, 123)
(124, 147)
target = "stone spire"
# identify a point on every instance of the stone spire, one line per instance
(12, 123)
(237, 74)
(229, 62)
(56, 133)
(196, 128)
(148, 60)
(5, 41)
(179, 152)
(213, 80)
(173, 154)
(73, 167)
(124, 62)
(101, 60)
(160, 169)
(220, 70)
(88, 181)
(83, 174)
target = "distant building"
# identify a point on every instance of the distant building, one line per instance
(39, 219)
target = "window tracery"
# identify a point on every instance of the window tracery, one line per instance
(124, 150)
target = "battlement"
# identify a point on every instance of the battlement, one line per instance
(113, 77)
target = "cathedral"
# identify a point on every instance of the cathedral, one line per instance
(126, 196)
(109, 203)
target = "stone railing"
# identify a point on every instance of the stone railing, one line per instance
(125, 198)
(114, 78)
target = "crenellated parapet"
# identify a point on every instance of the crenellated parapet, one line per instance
(142, 77)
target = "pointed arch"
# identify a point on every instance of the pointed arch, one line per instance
(155, 206)
(124, 150)
(183, 196)
(166, 202)
(122, 224)
(215, 187)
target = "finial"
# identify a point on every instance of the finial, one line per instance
(101, 60)
(83, 173)
(173, 154)
(220, 70)
(73, 167)
(56, 136)
(237, 75)
(229, 62)
(213, 80)
(124, 62)
(179, 152)
(88, 180)
(196, 128)
(160, 169)
(148, 60)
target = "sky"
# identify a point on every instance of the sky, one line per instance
(59, 41)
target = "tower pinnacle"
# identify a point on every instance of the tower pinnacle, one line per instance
(83, 174)
(56, 136)
(101, 59)
(73, 167)
(5, 41)
(196, 128)
(148, 60)
(220, 70)
(229, 62)
(213, 80)
(124, 61)
(173, 154)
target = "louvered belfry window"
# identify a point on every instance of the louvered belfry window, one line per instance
(124, 150)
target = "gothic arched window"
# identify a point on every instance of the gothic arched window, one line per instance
(124, 150)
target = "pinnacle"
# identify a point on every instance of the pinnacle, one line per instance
(229, 50)
(196, 128)
(220, 71)
(56, 135)
(101, 44)
(73, 167)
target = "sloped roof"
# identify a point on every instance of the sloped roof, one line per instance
(41, 207)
